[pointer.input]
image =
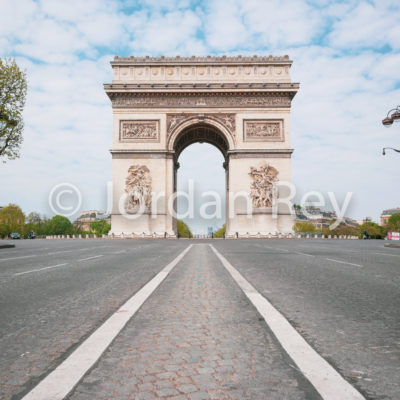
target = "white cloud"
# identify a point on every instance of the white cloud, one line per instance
(347, 86)
(167, 33)
(224, 26)
(368, 25)
(260, 24)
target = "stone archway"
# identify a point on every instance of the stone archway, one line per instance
(195, 130)
(161, 105)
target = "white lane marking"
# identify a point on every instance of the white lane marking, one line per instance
(343, 262)
(16, 258)
(17, 249)
(91, 258)
(390, 255)
(327, 248)
(59, 383)
(273, 248)
(68, 251)
(280, 249)
(40, 269)
(304, 254)
(326, 380)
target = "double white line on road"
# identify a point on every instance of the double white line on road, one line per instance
(326, 380)
(59, 383)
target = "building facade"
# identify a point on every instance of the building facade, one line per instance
(161, 105)
(386, 214)
(87, 217)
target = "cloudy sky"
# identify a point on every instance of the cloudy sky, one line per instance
(346, 57)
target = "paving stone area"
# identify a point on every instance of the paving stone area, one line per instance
(197, 337)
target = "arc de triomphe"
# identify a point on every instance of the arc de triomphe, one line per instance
(162, 105)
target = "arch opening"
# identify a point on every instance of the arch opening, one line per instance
(202, 167)
(201, 132)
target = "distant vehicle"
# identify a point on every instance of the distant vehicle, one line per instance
(15, 235)
(32, 235)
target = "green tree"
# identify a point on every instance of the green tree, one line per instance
(59, 225)
(342, 229)
(13, 89)
(394, 223)
(302, 227)
(220, 233)
(183, 229)
(12, 219)
(101, 227)
(374, 230)
(36, 223)
(33, 218)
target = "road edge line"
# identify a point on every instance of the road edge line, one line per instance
(60, 382)
(325, 379)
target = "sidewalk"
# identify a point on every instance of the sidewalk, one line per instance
(197, 337)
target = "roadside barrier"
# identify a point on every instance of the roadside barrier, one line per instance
(237, 235)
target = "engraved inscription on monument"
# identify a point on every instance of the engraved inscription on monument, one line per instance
(263, 130)
(144, 131)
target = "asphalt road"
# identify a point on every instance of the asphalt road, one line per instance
(45, 313)
(342, 296)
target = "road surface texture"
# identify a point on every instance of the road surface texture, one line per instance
(197, 335)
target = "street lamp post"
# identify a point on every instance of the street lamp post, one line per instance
(389, 148)
(392, 116)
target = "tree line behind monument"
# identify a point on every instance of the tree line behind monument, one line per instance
(13, 220)
(374, 230)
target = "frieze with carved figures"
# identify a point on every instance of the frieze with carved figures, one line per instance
(138, 130)
(263, 130)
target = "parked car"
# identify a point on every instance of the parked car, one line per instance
(15, 235)
(32, 235)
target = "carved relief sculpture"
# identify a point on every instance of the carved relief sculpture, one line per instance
(263, 130)
(138, 188)
(262, 188)
(139, 131)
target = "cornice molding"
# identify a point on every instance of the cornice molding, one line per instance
(260, 153)
(220, 60)
(200, 87)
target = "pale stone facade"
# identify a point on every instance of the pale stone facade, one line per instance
(162, 105)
